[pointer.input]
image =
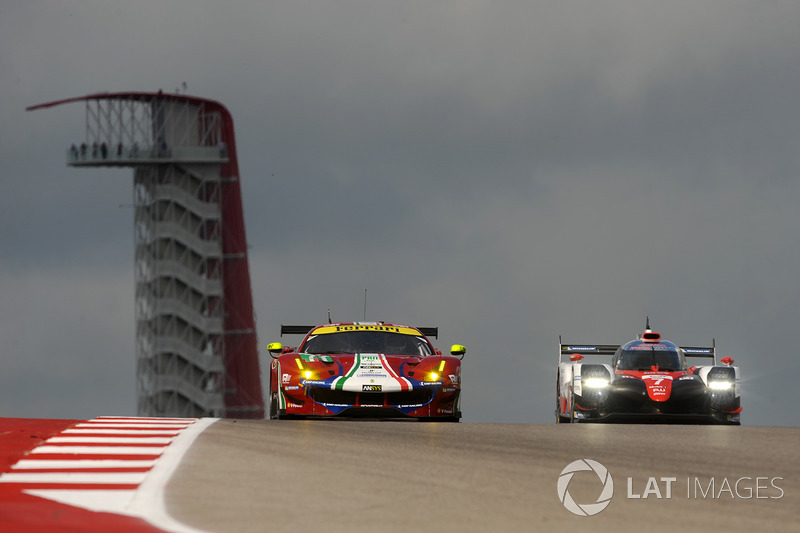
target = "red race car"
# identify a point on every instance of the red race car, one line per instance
(647, 379)
(365, 369)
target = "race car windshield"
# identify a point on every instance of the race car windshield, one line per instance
(367, 342)
(665, 360)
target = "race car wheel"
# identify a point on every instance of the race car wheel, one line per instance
(438, 419)
(273, 406)
(561, 419)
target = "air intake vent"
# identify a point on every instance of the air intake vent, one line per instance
(651, 336)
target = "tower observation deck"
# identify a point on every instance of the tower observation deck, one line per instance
(196, 346)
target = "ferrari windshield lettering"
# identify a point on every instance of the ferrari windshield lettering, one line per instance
(384, 342)
(360, 327)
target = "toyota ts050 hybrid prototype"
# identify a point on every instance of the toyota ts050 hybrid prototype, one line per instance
(647, 379)
(365, 369)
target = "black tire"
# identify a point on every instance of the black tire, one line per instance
(560, 419)
(273, 406)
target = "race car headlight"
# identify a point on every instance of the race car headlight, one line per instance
(720, 385)
(307, 373)
(436, 375)
(595, 383)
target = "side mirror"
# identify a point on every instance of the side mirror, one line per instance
(726, 361)
(458, 349)
(576, 357)
(274, 349)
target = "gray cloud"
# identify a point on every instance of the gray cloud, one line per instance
(509, 172)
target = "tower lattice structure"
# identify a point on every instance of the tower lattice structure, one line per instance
(196, 344)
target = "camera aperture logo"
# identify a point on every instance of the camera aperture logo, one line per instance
(585, 509)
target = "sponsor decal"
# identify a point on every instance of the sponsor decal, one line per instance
(582, 348)
(657, 377)
(286, 378)
(657, 347)
(371, 388)
(310, 358)
(367, 327)
(369, 368)
(315, 383)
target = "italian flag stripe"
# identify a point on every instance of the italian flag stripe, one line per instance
(338, 383)
(404, 383)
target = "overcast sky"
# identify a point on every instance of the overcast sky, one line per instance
(507, 171)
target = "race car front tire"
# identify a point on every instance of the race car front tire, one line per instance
(561, 419)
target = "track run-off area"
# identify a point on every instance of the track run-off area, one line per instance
(361, 475)
(105, 474)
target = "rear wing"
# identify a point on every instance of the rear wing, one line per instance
(430, 331)
(295, 330)
(303, 330)
(585, 349)
(610, 349)
(701, 351)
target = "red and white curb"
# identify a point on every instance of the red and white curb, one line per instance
(116, 465)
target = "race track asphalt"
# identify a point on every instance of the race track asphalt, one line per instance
(398, 476)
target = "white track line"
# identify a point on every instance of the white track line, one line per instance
(150, 501)
(97, 500)
(133, 426)
(93, 431)
(50, 464)
(99, 450)
(94, 478)
(109, 440)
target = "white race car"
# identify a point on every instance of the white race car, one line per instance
(647, 379)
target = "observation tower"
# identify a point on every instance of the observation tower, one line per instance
(196, 346)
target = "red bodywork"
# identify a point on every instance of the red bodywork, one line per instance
(658, 384)
(363, 384)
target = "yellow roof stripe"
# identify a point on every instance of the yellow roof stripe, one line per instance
(366, 327)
